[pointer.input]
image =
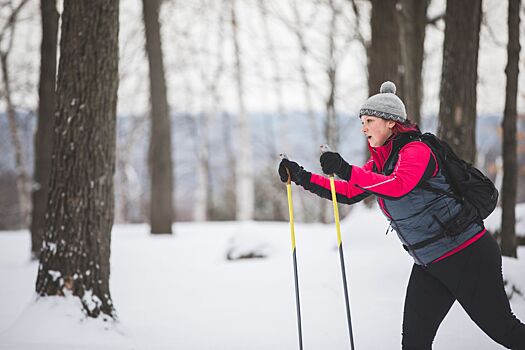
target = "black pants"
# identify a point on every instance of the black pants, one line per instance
(472, 277)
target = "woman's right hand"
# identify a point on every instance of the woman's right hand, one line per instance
(294, 169)
(333, 163)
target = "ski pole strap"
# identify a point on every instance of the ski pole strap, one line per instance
(336, 210)
(426, 186)
(290, 211)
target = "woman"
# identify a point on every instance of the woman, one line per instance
(454, 257)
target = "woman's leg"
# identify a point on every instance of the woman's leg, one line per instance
(474, 277)
(427, 302)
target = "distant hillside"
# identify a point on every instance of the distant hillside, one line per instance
(270, 136)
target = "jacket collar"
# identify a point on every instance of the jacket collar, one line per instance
(381, 154)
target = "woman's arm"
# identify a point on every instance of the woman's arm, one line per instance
(345, 193)
(415, 164)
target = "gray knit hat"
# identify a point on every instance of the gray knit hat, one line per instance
(385, 104)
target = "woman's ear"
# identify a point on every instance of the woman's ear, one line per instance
(390, 124)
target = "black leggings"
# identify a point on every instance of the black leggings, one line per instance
(472, 277)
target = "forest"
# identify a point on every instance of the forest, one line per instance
(166, 115)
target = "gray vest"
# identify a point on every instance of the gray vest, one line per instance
(420, 215)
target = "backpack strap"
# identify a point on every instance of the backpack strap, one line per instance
(426, 186)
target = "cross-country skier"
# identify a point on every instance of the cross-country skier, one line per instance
(464, 264)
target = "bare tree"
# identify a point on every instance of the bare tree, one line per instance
(44, 131)
(7, 34)
(331, 123)
(244, 165)
(160, 159)
(277, 80)
(211, 70)
(510, 157)
(227, 209)
(457, 107)
(76, 250)
(412, 19)
(127, 188)
(298, 26)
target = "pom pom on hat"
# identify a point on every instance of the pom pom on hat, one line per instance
(388, 87)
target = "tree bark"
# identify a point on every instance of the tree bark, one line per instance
(457, 108)
(245, 200)
(510, 156)
(384, 53)
(44, 132)
(160, 159)
(412, 17)
(76, 250)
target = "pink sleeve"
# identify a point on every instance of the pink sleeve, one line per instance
(410, 167)
(341, 187)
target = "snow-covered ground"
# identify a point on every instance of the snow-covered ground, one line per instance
(180, 292)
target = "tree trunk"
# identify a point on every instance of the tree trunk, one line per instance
(160, 160)
(245, 186)
(412, 18)
(227, 209)
(384, 53)
(44, 132)
(510, 157)
(205, 189)
(76, 250)
(20, 170)
(457, 107)
(201, 208)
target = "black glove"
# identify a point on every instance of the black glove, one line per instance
(333, 163)
(295, 171)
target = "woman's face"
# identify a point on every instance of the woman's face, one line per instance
(377, 130)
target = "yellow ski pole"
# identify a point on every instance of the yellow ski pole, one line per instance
(341, 255)
(294, 255)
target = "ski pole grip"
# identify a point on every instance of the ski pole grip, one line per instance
(325, 148)
(284, 156)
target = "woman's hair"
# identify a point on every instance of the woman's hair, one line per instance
(406, 126)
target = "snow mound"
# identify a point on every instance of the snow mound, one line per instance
(60, 321)
(248, 244)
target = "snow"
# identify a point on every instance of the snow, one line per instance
(181, 292)
(54, 274)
